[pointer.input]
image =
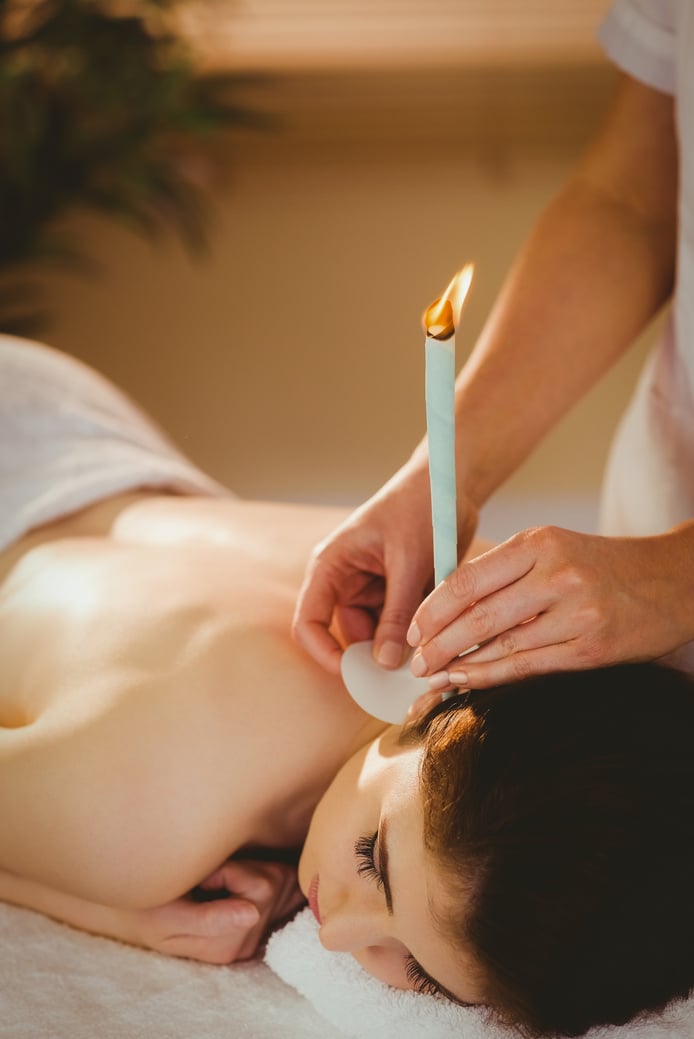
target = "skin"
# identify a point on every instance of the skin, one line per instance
(597, 267)
(157, 719)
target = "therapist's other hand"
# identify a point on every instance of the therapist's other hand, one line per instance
(550, 599)
(366, 580)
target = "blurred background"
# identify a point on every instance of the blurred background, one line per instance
(407, 138)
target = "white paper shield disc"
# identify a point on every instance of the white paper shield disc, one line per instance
(384, 694)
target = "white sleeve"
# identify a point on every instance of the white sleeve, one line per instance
(639, 37)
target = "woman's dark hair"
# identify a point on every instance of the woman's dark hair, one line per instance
(562, 809)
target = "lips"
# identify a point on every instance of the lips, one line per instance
(313, 899)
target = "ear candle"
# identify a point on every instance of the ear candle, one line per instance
(440, 321)
(388, 694)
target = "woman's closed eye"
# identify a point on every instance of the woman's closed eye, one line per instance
(419, 979)
(364, 850)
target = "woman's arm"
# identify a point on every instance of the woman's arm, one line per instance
(249, 899)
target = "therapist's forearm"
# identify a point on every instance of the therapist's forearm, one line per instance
(597, 267)
(572, 305)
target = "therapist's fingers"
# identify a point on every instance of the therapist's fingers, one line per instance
(505, 670)
(588, 601)
(532, 647)
(317, 601)
(495, 620)
(535, 633)
(470, 583)
(404, 589)
(337, 605)
(353, 624)
(310, 628)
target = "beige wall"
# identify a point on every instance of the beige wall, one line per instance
(289, 362)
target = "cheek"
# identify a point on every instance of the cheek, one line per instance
(348, 809)
(387, 963)
(329, 836)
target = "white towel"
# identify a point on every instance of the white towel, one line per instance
(364, 1008)
(58, 983)
(69, 438)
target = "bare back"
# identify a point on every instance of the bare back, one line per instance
(156, 716)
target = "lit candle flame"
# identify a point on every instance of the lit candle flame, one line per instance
(440, 319)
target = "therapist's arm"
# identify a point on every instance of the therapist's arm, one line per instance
(597, 267)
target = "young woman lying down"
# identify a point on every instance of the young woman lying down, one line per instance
(175, 773)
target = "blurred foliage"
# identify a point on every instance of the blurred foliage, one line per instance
(101, 108)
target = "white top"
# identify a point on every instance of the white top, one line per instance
(649, 482)
(69, 437)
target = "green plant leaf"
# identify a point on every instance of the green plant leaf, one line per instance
(97, 110)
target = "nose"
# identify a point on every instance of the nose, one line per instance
(354, 922)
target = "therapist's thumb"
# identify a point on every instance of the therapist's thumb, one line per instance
(403, 596)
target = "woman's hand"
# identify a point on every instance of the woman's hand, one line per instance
(366, 580)
(259, 896)
(252, 897)
(550, 599)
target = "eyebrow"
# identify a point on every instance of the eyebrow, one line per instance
(383, 865)
(383, 870)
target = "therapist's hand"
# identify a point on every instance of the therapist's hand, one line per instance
(366, 580)
(550, 599)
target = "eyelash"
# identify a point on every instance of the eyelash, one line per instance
(364, 851)
(420, 981)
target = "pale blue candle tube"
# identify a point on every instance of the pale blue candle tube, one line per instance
(440, 416)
